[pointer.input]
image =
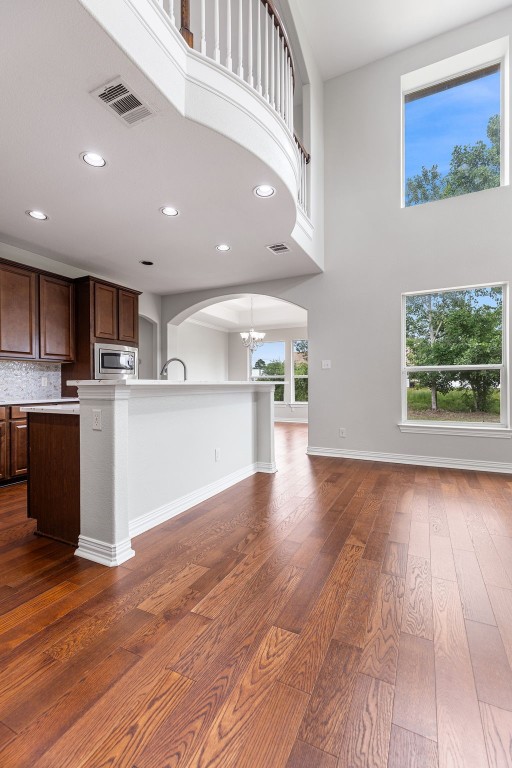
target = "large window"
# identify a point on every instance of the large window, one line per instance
(454, 356)
(286, 364)
(300, 371)
(455, 125)
(268, 364)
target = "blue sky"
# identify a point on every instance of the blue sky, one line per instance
(270, 350)
(435, 124)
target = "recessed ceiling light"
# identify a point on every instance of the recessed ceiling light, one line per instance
(264, 190)
(168, 210)
(91, 158)
(39, 215)
(223, 247)
(146, 263)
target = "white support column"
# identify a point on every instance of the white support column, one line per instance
(104, 517)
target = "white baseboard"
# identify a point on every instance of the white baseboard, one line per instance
(167, 511)
(422, 461)
(104, 553)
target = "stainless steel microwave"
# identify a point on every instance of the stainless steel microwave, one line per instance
(113, 361)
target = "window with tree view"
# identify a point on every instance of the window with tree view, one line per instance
(300, 371)
(454, 356)
(267, 364)
(452, 137)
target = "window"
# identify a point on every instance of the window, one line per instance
(300, 371)
(454, 126)
(454, 356)
(267, 363)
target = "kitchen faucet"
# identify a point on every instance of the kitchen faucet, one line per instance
(172, 360)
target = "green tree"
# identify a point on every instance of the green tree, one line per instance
(260, 365)
(457, 328)
(473, 167)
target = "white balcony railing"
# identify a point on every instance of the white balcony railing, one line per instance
(248, 38)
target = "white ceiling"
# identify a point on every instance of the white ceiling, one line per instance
(348, 34)
(106, 220)
(235, 314)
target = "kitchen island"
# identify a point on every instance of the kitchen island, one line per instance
(152, 449)
(54, 476)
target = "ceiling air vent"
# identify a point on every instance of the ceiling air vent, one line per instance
(118, 97)
(278, 248)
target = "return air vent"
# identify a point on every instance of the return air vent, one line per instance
(118, 97)
(278, 248)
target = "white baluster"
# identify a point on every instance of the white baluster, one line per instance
(285, 86)
(250, 78)
(283, 69)
(240, 41)
(229, 60)
(171, 11)
(258, 48)
(278, 73)
(290, 76)
(266, 72)
(203, 27)
(272, 65)
(216, 52)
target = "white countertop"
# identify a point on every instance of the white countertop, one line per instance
(71, 409)
(40, 400)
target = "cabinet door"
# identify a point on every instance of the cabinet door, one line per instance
(105, 312)
(56, 319)
(17, 312)
(3, 450)
(128, 316)
(18, 447)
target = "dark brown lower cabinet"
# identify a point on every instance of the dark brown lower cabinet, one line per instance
(3, 451)
(18, 447)
(54, 476)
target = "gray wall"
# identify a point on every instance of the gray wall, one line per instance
(375, 250)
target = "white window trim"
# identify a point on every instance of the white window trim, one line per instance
(293, 401)
(468, 429)
(496, 52)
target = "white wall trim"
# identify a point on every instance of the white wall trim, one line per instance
(167, 511)
(104, 553)
(459, 430)
(290, 420)
(422, 461)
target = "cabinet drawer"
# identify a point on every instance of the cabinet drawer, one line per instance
(16, 412)
(3, 413)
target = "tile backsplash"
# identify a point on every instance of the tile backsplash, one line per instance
(20, 380)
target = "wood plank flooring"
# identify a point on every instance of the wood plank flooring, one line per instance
(338, 614)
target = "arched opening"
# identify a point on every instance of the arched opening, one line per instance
(207, 337)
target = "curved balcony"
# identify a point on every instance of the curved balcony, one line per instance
(248, 38)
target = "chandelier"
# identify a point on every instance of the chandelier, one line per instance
(252, 339)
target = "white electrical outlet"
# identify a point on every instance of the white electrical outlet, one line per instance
(44, 381)
(343, 432)
(96, 419)
(217, 454)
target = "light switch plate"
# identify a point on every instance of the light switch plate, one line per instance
(326, 364)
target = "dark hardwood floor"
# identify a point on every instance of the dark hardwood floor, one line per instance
(339, 614)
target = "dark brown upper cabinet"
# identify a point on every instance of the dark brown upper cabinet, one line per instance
(56, 319)
(106, 311)
(128, 316)
(18, 319)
